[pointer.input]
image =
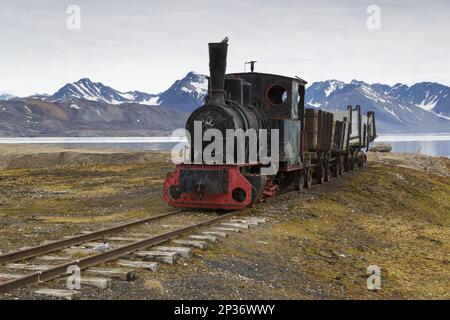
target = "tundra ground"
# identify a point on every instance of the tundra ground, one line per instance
(316, 245)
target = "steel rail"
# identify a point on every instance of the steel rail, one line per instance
(61, 244)
(107, 256)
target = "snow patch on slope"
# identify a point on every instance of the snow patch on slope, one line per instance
(428, 104)
(333, 86)
(152, 101)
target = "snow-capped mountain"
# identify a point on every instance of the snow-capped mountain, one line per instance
(318, 92)
(6, 96)
(398, 108)
(96, 91)
(429, 96)
(186, 94)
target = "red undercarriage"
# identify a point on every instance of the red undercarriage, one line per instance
(202, 199)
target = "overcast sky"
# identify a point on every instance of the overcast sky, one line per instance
(146, 45)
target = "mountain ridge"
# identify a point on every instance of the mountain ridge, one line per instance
(421, 107)
(97, 91)
(184, 94)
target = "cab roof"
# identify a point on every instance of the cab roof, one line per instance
(239, 74)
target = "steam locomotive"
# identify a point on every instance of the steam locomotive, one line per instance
(310, 145)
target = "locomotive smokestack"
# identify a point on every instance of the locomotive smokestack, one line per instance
(217, 67)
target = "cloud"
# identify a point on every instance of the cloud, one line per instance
(146, 45)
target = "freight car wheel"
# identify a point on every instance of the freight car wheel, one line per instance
(341, 168)
(346, 163)
(327, 173)
(335, 172)
(300, 181)
(351, 164)
(320, 175)
(360, 162)
(308, 178)
(363, 160)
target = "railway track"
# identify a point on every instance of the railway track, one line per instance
(61, 244)
(59, 270)
(47, 273)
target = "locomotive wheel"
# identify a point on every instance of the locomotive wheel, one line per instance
(307, 176)
(320, 175)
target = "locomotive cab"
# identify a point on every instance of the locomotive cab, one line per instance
(282, 101)
(279, 97)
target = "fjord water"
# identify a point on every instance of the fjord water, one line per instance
(434, 145)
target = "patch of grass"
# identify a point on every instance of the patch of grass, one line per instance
(155, 285)
(395, 218)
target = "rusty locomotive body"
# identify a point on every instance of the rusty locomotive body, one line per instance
(311, 144)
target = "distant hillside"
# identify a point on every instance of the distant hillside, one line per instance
(78, 117)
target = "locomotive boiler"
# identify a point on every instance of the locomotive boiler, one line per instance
(248, 118)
